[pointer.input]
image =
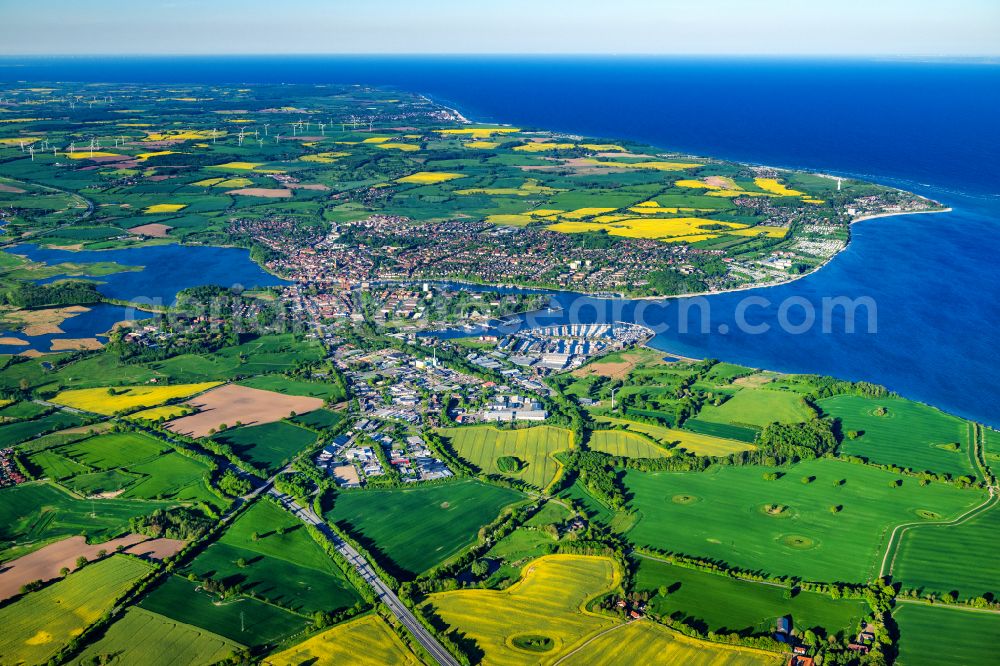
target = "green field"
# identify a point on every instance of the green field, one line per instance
(745, 434)
(150, 639)
(35, 627)
(722, 513)
(910, 434)
(932, 635)
(266, 354)
(418, 528)
(758, 407)
(535, 447)
(594, 509)
(291, 386)
(172, 476)
(284, 565)
(268, 446)
(18, 431)
(51, 465)
(693, 442)
(624, 444)
(113, 450)
(32, 514)
(242, 620)
(142, 466)
(952, 558)
(318, 418)
(722, 604)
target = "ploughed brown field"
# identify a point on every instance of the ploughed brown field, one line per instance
(231, 403)
(45, 563)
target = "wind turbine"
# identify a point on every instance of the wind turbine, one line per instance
(266, 125)
(31, 151)
(72, 147)
(215, 133)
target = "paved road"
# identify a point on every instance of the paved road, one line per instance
(385, 595)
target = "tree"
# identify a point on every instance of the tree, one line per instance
(81, 562)
(480, 568)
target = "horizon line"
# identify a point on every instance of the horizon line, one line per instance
(531, 54)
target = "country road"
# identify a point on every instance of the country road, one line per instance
(382, 591)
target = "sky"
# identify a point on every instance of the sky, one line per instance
(667, 27)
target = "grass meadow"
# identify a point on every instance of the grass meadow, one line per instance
(910, 434)
(957, 558)
(941, 635)
(722, 604)
(758, 407)
(283, 565)
(242, 620)
(786, 526)
(269, 445)
(418, 528)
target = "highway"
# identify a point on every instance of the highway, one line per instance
(382, 591)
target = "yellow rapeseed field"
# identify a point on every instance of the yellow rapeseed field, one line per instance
(813, 200)
(650, 643)
(481, 144)
(180, 135)
(164, 208)
(108, 400)
(737, 193)
(770, 232)
(16, 140)
(580, 213)
(165, 412)
(224, 182)
(239, 166)
(696, 443)
(688, 229)
(429, 177)
(478, 132)
(774, 187)
(689, 182)
(539, 147)
(366, 641)
(405, 147)
(324, 158)
(377, 139)
(86, 154)
(603, 147)
(142, 157)
(549, 601)
(521, 219)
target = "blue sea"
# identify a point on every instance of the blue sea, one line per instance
(926, 126)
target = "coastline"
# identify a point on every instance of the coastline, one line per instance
(712, 292)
